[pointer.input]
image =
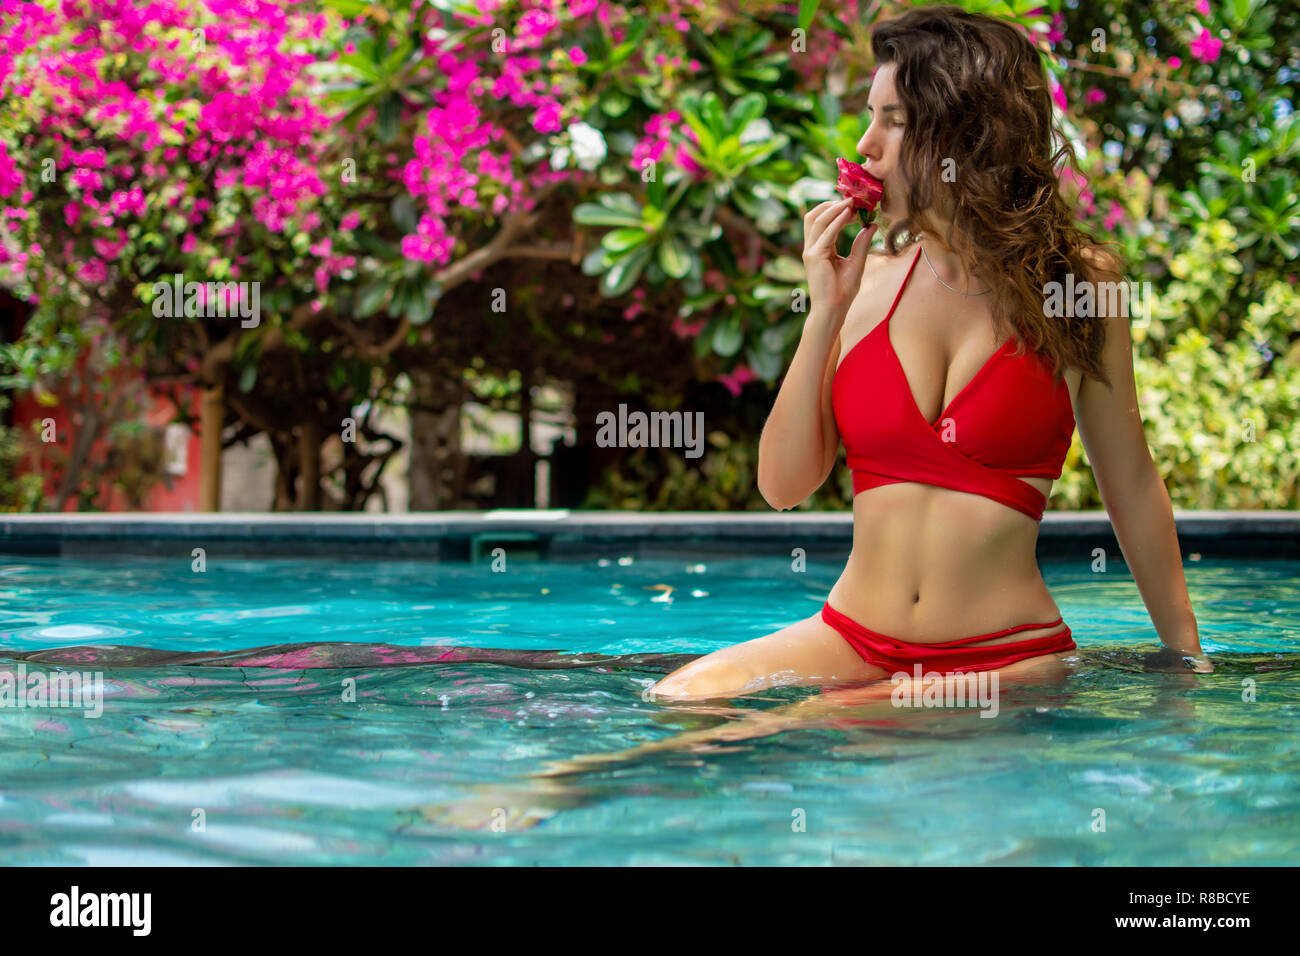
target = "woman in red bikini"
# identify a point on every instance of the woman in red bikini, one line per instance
(942, 382)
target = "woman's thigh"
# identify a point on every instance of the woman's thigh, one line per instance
(1043, 669)
(806, 652)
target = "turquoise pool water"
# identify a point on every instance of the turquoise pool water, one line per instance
(278, 711)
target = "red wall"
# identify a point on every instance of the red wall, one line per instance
(182, 496)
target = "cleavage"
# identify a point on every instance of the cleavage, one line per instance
(907, 363)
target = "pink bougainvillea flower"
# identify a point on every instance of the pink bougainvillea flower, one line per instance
(736, 380)
(1206, 46)
(686, 330)
(1058, 94)
(93, 272)
(1054, 33)
(1115, 216)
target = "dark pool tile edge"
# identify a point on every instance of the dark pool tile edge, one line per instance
(457, 535)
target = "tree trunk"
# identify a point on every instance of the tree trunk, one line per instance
(212, 415)
(309, 441)
(528, 463)
(436, 472)
(286, 470)
(79, 453)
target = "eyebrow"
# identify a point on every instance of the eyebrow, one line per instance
(891, 108)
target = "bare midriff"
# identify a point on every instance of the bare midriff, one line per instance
(930, 564)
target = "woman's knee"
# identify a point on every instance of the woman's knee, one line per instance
(714, 675)
(803, 652)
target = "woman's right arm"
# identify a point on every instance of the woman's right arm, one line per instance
(798, 446)
(799, 443)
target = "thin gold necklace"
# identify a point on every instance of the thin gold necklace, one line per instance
(941, 282)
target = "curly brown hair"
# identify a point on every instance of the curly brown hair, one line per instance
(977, 102)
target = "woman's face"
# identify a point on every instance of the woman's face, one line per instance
(882, 144)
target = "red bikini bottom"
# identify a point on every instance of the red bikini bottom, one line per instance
(945, 657)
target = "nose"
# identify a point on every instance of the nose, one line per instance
(869, 146)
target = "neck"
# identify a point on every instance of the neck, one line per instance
(949, 268)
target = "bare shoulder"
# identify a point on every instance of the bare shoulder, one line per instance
(880, 263)
(876, 266)
(880, 255)
(1102, 264)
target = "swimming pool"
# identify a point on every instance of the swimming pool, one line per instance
(220, 743)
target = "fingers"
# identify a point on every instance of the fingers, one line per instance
(820, 217)
(820, 239)
(817, 210)
(861, 245)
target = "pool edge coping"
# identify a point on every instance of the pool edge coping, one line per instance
(471, 535)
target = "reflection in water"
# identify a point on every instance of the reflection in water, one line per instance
(330, 753)
(225, 738)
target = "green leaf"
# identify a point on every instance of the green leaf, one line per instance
(360, 64)
(687, 107)
(403, 210)
(620, 202)
(615, 103)
(375, 246)
(756, 152)
(393, 62)
(621, 240)
(746, 109)
(711, 110)
(419, 308)
(594, 214)
(348, 9)
(402, 296)
(763, 292)
(785, 269)
(390, 114)
(675, 257)
(657, 193)
(700, 302)
(702, 342)
(624, 273)
(699, 231)
(371, 297)
(632, 41)
(807, 10)
(729, 336)
(776, 337)
(766, 365)
(596, 261)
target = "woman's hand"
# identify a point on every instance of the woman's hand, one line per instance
(833, 280)
(1170, 661)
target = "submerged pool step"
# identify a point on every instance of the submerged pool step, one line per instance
(516, 546)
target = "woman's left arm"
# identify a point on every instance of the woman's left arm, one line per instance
(1135, 497)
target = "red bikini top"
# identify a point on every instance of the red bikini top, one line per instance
(1010, 421)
